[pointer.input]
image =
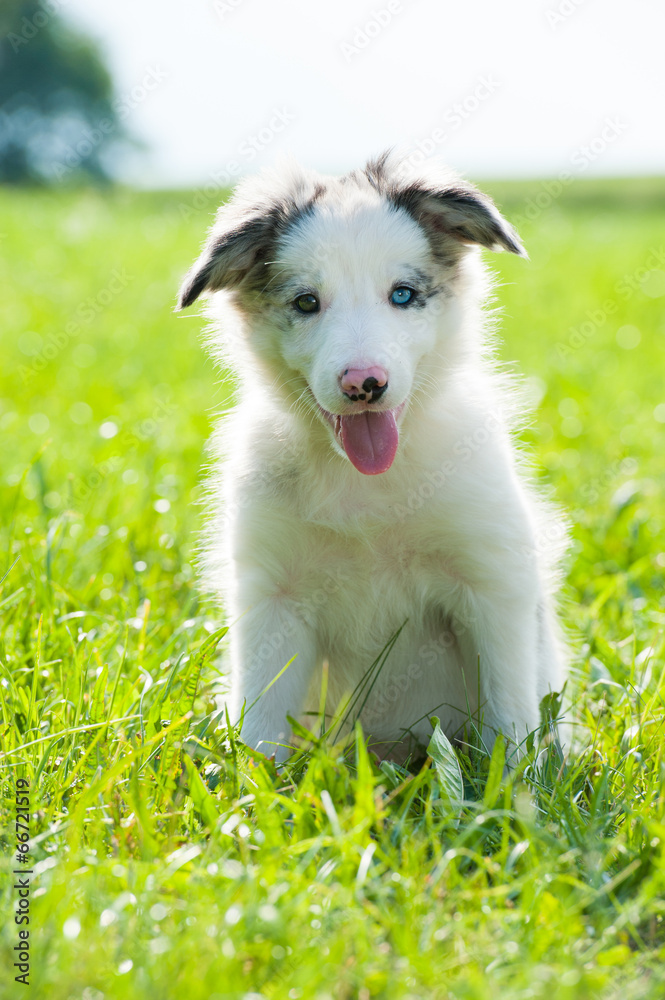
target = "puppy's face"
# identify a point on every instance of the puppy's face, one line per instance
(351, 305)
(347, 287)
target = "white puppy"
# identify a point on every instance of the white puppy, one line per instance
(367, 480)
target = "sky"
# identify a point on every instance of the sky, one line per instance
(521, 88)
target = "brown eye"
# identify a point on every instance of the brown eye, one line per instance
(306, 303)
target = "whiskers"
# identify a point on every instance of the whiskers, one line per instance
(299, 402)
(426, 389)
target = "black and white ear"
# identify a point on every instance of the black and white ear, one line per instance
(236, 247)
(460, 212)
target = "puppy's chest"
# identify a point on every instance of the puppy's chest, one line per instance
(383, 573)
(352, 549)
(358, 591)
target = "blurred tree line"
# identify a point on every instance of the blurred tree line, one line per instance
(57, 115)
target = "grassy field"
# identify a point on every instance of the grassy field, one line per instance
(166, 864)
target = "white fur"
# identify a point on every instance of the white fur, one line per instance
(315, 560)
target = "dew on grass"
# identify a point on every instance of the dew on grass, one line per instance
(90, 993)
(231, 823)
(39, 423)
(6, 420)
(568, 407)
(571, 427)
(628, 337)
(71, 928)
(233, 915)
(125, 898)
(45, 865)
(80, 413)
(630, 434)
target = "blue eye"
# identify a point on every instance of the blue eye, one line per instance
(401, 295)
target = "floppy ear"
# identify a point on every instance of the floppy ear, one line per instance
(235, 247)
(461, 212)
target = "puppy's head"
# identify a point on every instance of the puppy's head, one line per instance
(349, 288)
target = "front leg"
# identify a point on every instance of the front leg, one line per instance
(500, 649)
(264, 639)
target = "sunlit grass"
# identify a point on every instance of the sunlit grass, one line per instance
(170, 864)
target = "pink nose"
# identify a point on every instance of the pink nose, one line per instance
(364, 383)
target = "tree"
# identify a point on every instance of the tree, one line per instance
(57, 118)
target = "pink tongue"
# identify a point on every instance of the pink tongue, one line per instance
(370, 440)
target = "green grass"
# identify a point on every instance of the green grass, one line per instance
(154, 878)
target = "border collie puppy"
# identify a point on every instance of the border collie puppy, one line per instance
(367, 489)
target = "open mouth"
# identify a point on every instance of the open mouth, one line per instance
(369, 438)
